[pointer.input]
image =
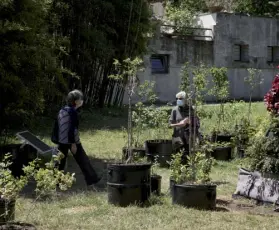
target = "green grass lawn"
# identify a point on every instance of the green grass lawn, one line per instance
(103, 138)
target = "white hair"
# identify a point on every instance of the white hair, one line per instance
(181, 94)
(73, 96)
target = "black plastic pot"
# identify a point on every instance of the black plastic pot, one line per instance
(7, 210)
(160, 149)
(128, 184)
(156, 181)
(137, 152)
(221, 138)
(195, 196)
(222, 153)
(17, 226)
(172, 183)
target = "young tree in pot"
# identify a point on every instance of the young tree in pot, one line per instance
(47, 179)
(190, 183)
(129, 182)
(142, 118)
(221, 93)
(244, 129)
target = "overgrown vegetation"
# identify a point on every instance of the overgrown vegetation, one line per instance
(51, 46)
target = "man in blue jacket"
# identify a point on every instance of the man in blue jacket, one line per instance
(68, 137)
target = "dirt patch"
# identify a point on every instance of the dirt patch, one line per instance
(245, 205)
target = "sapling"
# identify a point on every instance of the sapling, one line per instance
(127, 70)
(141, 116)
(253, 79)
(220, 90)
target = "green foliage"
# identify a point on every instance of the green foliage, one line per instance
(29, 68)
(46, 178)
(221, 83)
(220, 89)
(243, 132)
(9, 185)
(257, 7)
(127, 70)
(181, 15)
(198, 167)
(253, 79)
(200, 83)
(185, 78)
(263, 151)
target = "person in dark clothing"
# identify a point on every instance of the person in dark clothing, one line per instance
(68, 137)
(185, 129)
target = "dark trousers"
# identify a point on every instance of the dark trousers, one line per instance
(82, 160)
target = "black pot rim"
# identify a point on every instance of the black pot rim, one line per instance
(196, 186)
(159, 141)
(129, 167)
(222, 147)
(134, 148)
(156, 176)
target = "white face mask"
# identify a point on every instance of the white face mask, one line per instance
(180, 102)
(78, 103)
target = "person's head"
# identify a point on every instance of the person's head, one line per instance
(181, 98)
(75, 98)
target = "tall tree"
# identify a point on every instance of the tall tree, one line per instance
(258, 7)
(29, 68)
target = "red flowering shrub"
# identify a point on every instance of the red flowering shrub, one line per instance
(271, 99)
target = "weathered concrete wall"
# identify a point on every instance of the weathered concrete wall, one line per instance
(179, 51)
(229, 29)
(258, 33)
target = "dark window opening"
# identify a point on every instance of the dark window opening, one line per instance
(273, 54)
(159, 63)
(241, 53)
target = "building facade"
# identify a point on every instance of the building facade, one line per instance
(234, 41)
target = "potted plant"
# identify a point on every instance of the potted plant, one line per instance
(220, 92)
(190, 181)
(47, 179)
(128, 182)
(159, 146)
(190, 184)
(244, 129)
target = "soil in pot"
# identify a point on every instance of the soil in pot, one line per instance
(17, 226)
(156, 181)
(136, 152)
(128, 184)
(7, 210)
(222, 153)
(160, 149)
(195, 196)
